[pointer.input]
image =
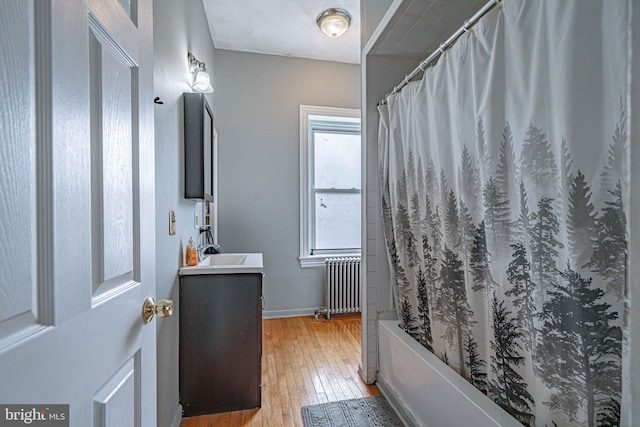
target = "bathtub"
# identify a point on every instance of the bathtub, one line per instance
(424, 391)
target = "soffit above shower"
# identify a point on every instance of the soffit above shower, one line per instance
(419, 26)
(282, 27)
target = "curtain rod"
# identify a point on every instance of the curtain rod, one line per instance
(447, 43)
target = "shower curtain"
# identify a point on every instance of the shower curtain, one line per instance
(504, 191)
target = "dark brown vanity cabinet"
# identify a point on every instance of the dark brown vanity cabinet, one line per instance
(220, 342)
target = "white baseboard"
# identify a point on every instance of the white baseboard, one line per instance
(276, 314)
(177, 418)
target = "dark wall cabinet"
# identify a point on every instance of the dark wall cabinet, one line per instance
(220, 342)
(199, 154)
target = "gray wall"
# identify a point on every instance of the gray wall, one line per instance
(257, 102)
(178, 27)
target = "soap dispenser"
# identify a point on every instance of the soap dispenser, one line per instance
(192, 254)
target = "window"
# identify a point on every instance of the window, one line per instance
(330, 183)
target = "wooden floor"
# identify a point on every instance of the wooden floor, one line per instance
(304, 362)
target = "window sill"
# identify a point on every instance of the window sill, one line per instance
(318, 260)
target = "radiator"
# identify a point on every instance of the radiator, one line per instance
(343, 285)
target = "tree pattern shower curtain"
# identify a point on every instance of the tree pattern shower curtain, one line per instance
(504, 191)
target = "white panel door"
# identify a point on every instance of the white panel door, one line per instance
(77, 246)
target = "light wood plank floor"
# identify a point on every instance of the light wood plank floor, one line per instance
(304, 362)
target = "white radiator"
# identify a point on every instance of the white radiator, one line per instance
(343, 285)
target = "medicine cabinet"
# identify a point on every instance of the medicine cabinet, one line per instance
(199, 159)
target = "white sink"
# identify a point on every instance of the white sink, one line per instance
(223, 259)
(226, 264)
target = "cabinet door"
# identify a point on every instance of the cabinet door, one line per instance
(220, 343)
(199, 150)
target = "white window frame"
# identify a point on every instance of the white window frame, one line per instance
(306, 171)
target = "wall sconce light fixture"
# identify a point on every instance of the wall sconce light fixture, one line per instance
(201, 80)
(334, 22)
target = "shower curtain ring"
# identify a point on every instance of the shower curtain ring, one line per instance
(465, 27)
(441, 49)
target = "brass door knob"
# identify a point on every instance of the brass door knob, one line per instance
(163, 308)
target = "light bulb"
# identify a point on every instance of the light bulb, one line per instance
(334, 22)
(202, 82)
(334, 25)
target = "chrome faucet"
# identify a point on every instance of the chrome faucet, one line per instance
(203, 248)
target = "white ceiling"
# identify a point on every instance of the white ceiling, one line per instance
(282, 27)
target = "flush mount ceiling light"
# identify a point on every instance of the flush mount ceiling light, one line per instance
(334, 22)
(201, 79)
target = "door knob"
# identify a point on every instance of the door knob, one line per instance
(163, 308)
